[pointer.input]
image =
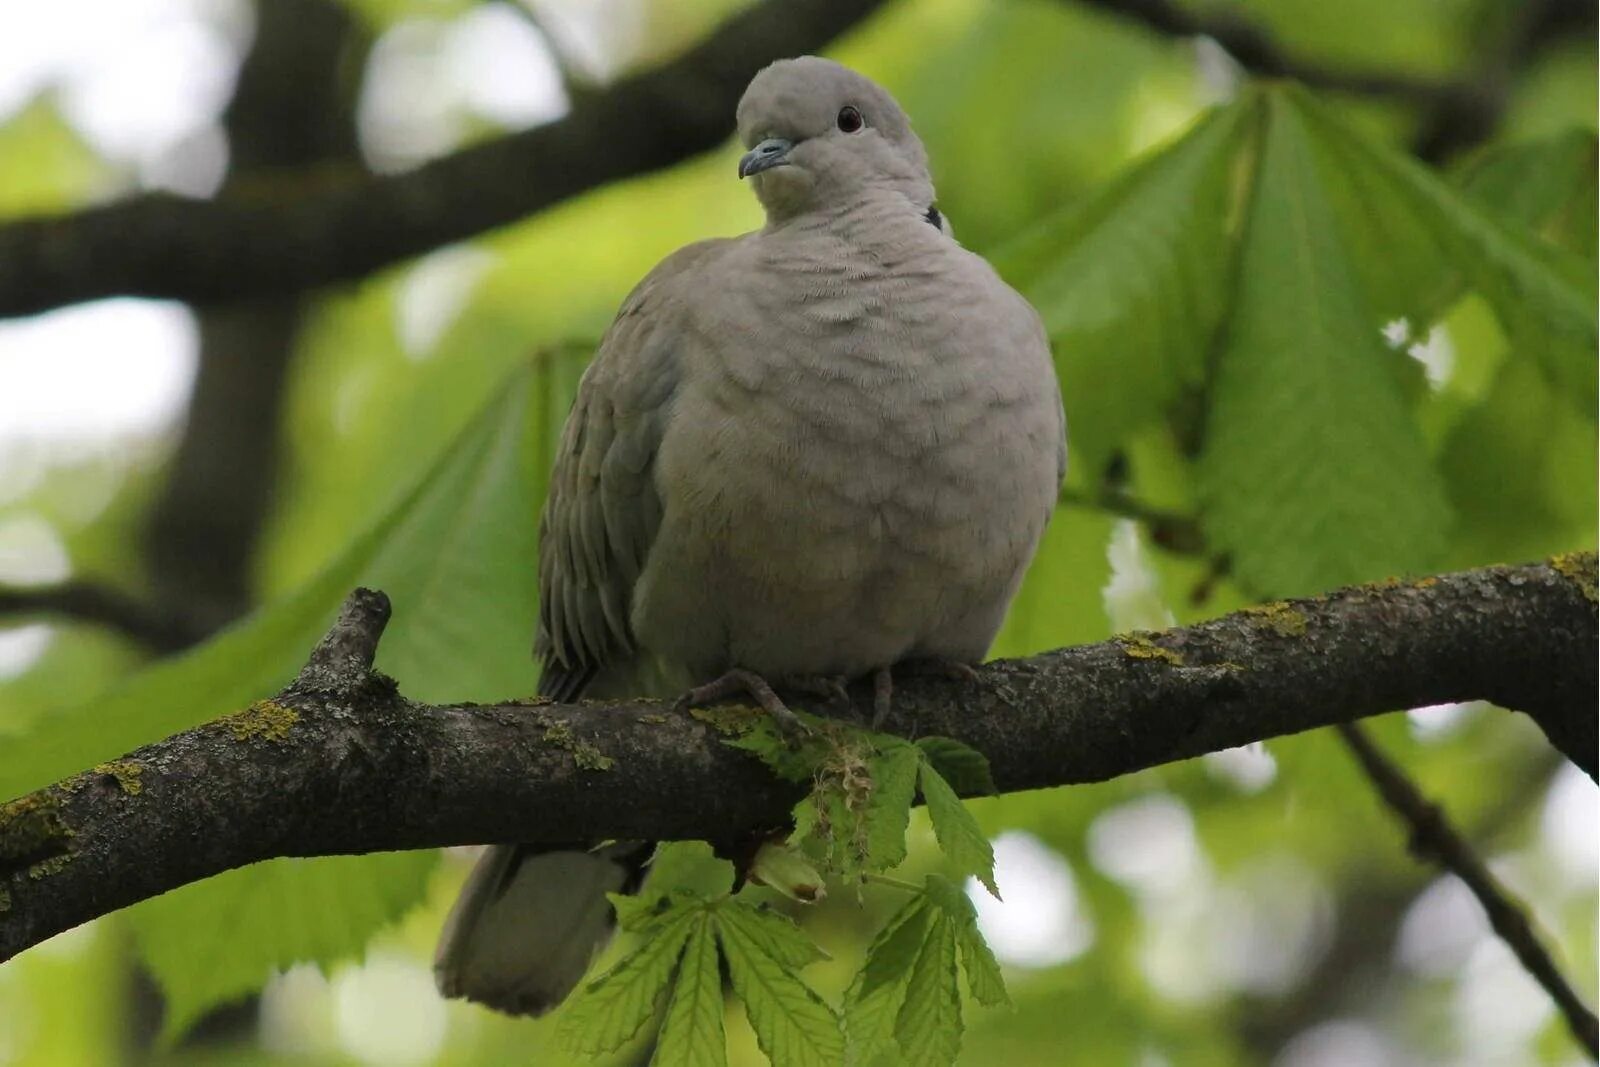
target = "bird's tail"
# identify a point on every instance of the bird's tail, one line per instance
(529, 921)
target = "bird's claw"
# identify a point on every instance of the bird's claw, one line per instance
(738, 682)
(883, 680)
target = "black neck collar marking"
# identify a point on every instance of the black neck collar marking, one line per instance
(934, 219)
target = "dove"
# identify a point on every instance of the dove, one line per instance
(824, 450)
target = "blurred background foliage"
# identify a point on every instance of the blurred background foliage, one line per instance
(1292, 357)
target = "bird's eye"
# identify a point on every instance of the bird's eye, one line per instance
(850, 119)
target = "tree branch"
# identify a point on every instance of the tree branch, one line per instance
(1432, 837)
(1177, 533)
(211, 250)
(149, 624)
(1458, 112)
(1253, 48)
(340, 762)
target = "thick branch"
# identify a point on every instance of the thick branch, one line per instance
(340, 762)
(211, 250)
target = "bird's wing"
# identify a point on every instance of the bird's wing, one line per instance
(602, 512)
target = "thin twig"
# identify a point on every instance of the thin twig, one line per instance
(147, 623)
(1173, 531)
(1433, 838)
(1180, 534)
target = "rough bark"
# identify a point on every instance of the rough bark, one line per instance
(340, 762)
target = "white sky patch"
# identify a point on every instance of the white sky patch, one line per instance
(1396, 332)
(1441, 929)
(387, 1011)
(31, 552)
(1341, 1043)
(503, 68)
(596, 38)
(1217, 73)
(296, 1014)
(1040, 923)
(95, 372)
(1248, 768)
(433, 295)
(135, 77)
(1172, 953)
(1499, 1008)
(1132, 596)
(1569, 827)
(194, 167)
(1436, 352)
(1438, 721)
(426, 77)
(1149, 845)
(21, 647)
(1268, 925)
(404, 115)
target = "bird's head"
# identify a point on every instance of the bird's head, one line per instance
(821, 135)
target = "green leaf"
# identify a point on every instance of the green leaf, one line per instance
(689, 866)
(608, 1011)
(455, 547)
(894, 787)
(692, 1032)
(453, 557)
(452, 554)
(219, 940)
(984, 980)
(793, 1025)
(1547, 186)
(791, 761)
(44, 165)
(958, 832)
(1542, 294)
(1520, 470)
(964, 767)
(637, 911)
(773, 934)
(648, 911)
(1313, 472)
(1132, 285)
(929, 1027)
(873, 1000)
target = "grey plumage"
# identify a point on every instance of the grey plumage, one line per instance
(822, 448)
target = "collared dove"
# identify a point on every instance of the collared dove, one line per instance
(819, 450)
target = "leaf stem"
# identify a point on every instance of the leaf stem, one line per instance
(891, 880)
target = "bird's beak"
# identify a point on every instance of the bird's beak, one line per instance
(773, 152)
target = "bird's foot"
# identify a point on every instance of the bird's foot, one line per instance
(828, 688)
(935, 666)
(738, 682)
